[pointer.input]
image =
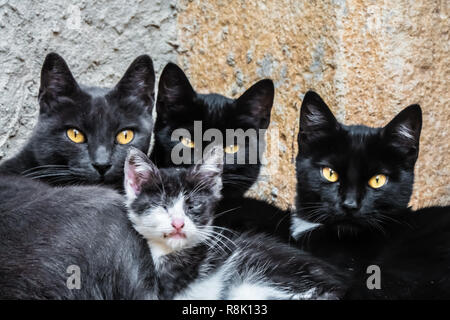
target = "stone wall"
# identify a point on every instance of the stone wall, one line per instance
(97, 38)
(368, 59)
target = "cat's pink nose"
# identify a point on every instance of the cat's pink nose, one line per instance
(178, 223)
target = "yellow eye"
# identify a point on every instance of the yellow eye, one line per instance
(75, 135)
(232, 148)
(330, 174)
(125, 136)
(378, 181)
(187, 142)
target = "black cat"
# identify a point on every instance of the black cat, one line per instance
(179, 106)
(49, 234)
(83, 133)
(353, 188)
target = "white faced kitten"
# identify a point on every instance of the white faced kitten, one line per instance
(173, 210)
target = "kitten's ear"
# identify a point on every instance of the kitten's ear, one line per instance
(403, 132)
(138, 170)
(256, 103)
(315, 117)
(56, 81)
(209, 170)
(175, 92)
(139, 80)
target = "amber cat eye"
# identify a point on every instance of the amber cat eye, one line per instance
(329, 174)
(187, 142)
(75, 135)
(377, 181)
(125, 136)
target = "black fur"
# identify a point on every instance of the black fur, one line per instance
(178, 106)
(356, 153)
(248, 214)
(358, 225)
(257, 258)
(414, 259)
(99, 113)
(44, 230)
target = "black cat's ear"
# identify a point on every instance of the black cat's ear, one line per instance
(255, 104)
(315, 117)
(139, 80)
(403, 132)
(175, 92)
(138, 170)
(209, 170)
(56, 82)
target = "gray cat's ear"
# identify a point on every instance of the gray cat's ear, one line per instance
(209, 170)
(56, 82)
(316, 117)
(255, 104)
(175, 93)
(139, 80)
(403, 132)
(138, 170)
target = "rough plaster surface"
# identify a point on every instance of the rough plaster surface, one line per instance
(368, 59)
(98, 48)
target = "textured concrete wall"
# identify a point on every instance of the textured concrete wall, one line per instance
(368, 59)
(97, 38)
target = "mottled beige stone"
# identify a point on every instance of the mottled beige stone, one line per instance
(395, 53)
(368, 60)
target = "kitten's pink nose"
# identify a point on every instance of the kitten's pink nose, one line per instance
(178, 223)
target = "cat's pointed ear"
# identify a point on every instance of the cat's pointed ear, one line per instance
(316, 117)
(256, 103)
(209, 170)
(403, 132)
(139, 80)
(138, 170)
(175, 93)
(56, 81)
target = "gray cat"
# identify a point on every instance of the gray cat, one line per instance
(49, 234)
(83, 133)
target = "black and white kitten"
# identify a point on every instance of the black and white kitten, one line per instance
(173, 209)
(353, 188)
(83, 133)
(179, 106)
(51, 237)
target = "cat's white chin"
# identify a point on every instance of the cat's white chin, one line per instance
(177, 236)
(177, 242)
